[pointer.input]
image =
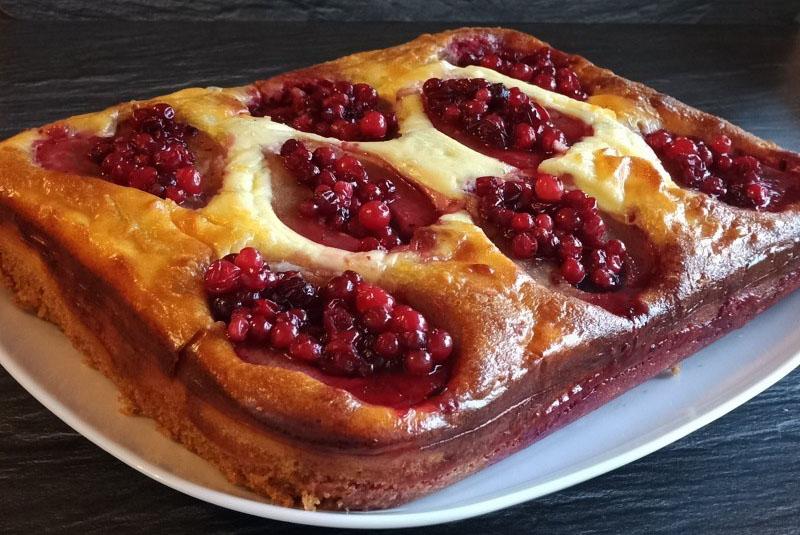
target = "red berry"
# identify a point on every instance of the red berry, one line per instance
(567, 219)
(615, 247)
(373, 125)
(548, 188)
(249, 259)
(516, 98)
(238, 326)
(178, 196)
(522, 221)
(486, 185)
(282, 334)
(387, 345)
(553, 140)
(143, 178)
(491, 61)
(418, 362)
(483, 94)
(343, 189)
(260, 327)
(222, 277)
(523, 245)
(713, 186)
(521, 71)
(721, 144)
(440, 345)
(544, 221)
(524, 136)
(349, 167)
(545, 81)
(603, 278)
(405, 318)
(758, 194)
(340, 288)
(374, 215)
(305, 348)
(371, 296)
(266, 308)
(572, 270)
(324, 156)
(413, 339)
(659, 139)
(337, 319)
(681, 146)
(189, 180)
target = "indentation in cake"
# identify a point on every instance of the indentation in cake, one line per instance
(500, 122)
(720, 170)
(547, 68)
(361, 336)
(344, 199)
(558, 234)
(340, 109)
(150, 150)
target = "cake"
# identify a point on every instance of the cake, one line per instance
(351, 285)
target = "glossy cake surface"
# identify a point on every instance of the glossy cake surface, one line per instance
(570, 232)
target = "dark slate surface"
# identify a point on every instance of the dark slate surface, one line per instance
(738, 475)
(593, 11)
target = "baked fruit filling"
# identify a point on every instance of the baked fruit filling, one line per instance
(724, 172)
(150, 150)
(350, 112)
(538, 218)
(499, 122)
(545, 67)
(355, 334)
(351, 202)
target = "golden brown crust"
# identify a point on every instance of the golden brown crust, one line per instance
(521, 343)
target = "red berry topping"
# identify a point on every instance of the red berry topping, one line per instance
(495, 117)
(719, 170)
(544, 67)
(351, 112)
(346, 198)
(150, 151)
(346, 327)
(542, 220)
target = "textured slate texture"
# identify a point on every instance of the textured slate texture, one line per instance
(738, 475)
(594, 11)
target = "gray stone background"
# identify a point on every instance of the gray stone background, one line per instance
(773, 12)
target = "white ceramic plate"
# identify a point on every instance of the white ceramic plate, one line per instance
(711, 383)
